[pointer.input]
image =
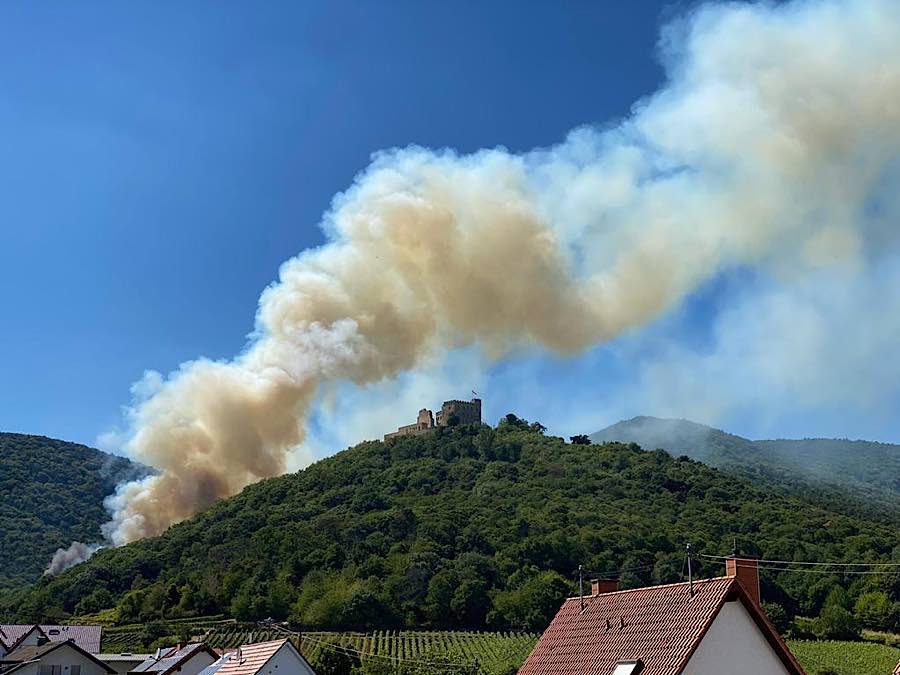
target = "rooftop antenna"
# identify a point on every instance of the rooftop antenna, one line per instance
(581, 586)
(734, 547)
(475, 393)
(690, 555)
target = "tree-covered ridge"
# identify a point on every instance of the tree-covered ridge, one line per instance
(51, 493)
(868, 470)
(469, 527)
(852, 463)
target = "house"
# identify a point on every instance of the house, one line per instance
(52, 658)
(897, 669)
(187, 659)
(15, 635)
(124, 662)
(278, 657)
(706, 627)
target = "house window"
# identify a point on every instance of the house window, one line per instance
(50, 670)
(75, 670)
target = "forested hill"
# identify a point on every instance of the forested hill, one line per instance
(51, 493)
(869, 471)
(471, 526)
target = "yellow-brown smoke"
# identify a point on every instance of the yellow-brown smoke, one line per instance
(765, 147)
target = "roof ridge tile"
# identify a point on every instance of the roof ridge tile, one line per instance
(696, 582)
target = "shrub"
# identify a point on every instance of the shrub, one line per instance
(836, 623)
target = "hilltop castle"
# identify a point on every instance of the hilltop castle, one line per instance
(460, 412)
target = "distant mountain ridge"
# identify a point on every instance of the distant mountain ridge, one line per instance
(868, 470)
(51, 493)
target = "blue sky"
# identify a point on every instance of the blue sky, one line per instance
(162, 159)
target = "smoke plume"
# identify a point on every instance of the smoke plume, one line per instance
(64, 558)
(769, 146)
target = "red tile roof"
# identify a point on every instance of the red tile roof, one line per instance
(897, 669)
(251, 658)
(661, 625)
(86, 637)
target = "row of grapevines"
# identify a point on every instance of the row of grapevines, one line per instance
(845, 658)
(489, 650)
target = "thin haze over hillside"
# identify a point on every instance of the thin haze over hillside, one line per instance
(766, 149)
(867, 469)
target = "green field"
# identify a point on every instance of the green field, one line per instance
(845, 658)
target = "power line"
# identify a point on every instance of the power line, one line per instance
(837, 569)
(812, 570)
(612, 574)
(806, 563)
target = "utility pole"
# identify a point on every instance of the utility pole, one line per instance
(581, 586)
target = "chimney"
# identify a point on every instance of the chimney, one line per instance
(600, 586)
(747, 572)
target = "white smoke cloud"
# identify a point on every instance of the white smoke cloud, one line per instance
(826, 343)
(64, 558)
(772, 145)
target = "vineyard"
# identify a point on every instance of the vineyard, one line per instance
(138, 637)
(490, 652)
(845, 658)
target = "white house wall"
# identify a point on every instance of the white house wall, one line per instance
(285, 662)
(122, 666)
(734, 645)
(195, 664)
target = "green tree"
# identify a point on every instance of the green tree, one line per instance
(836, 623)
(470, 602)
(154, 630)
(440, 593)
(334, 662)
(778, 616)
(532, 605)
(873, 610)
